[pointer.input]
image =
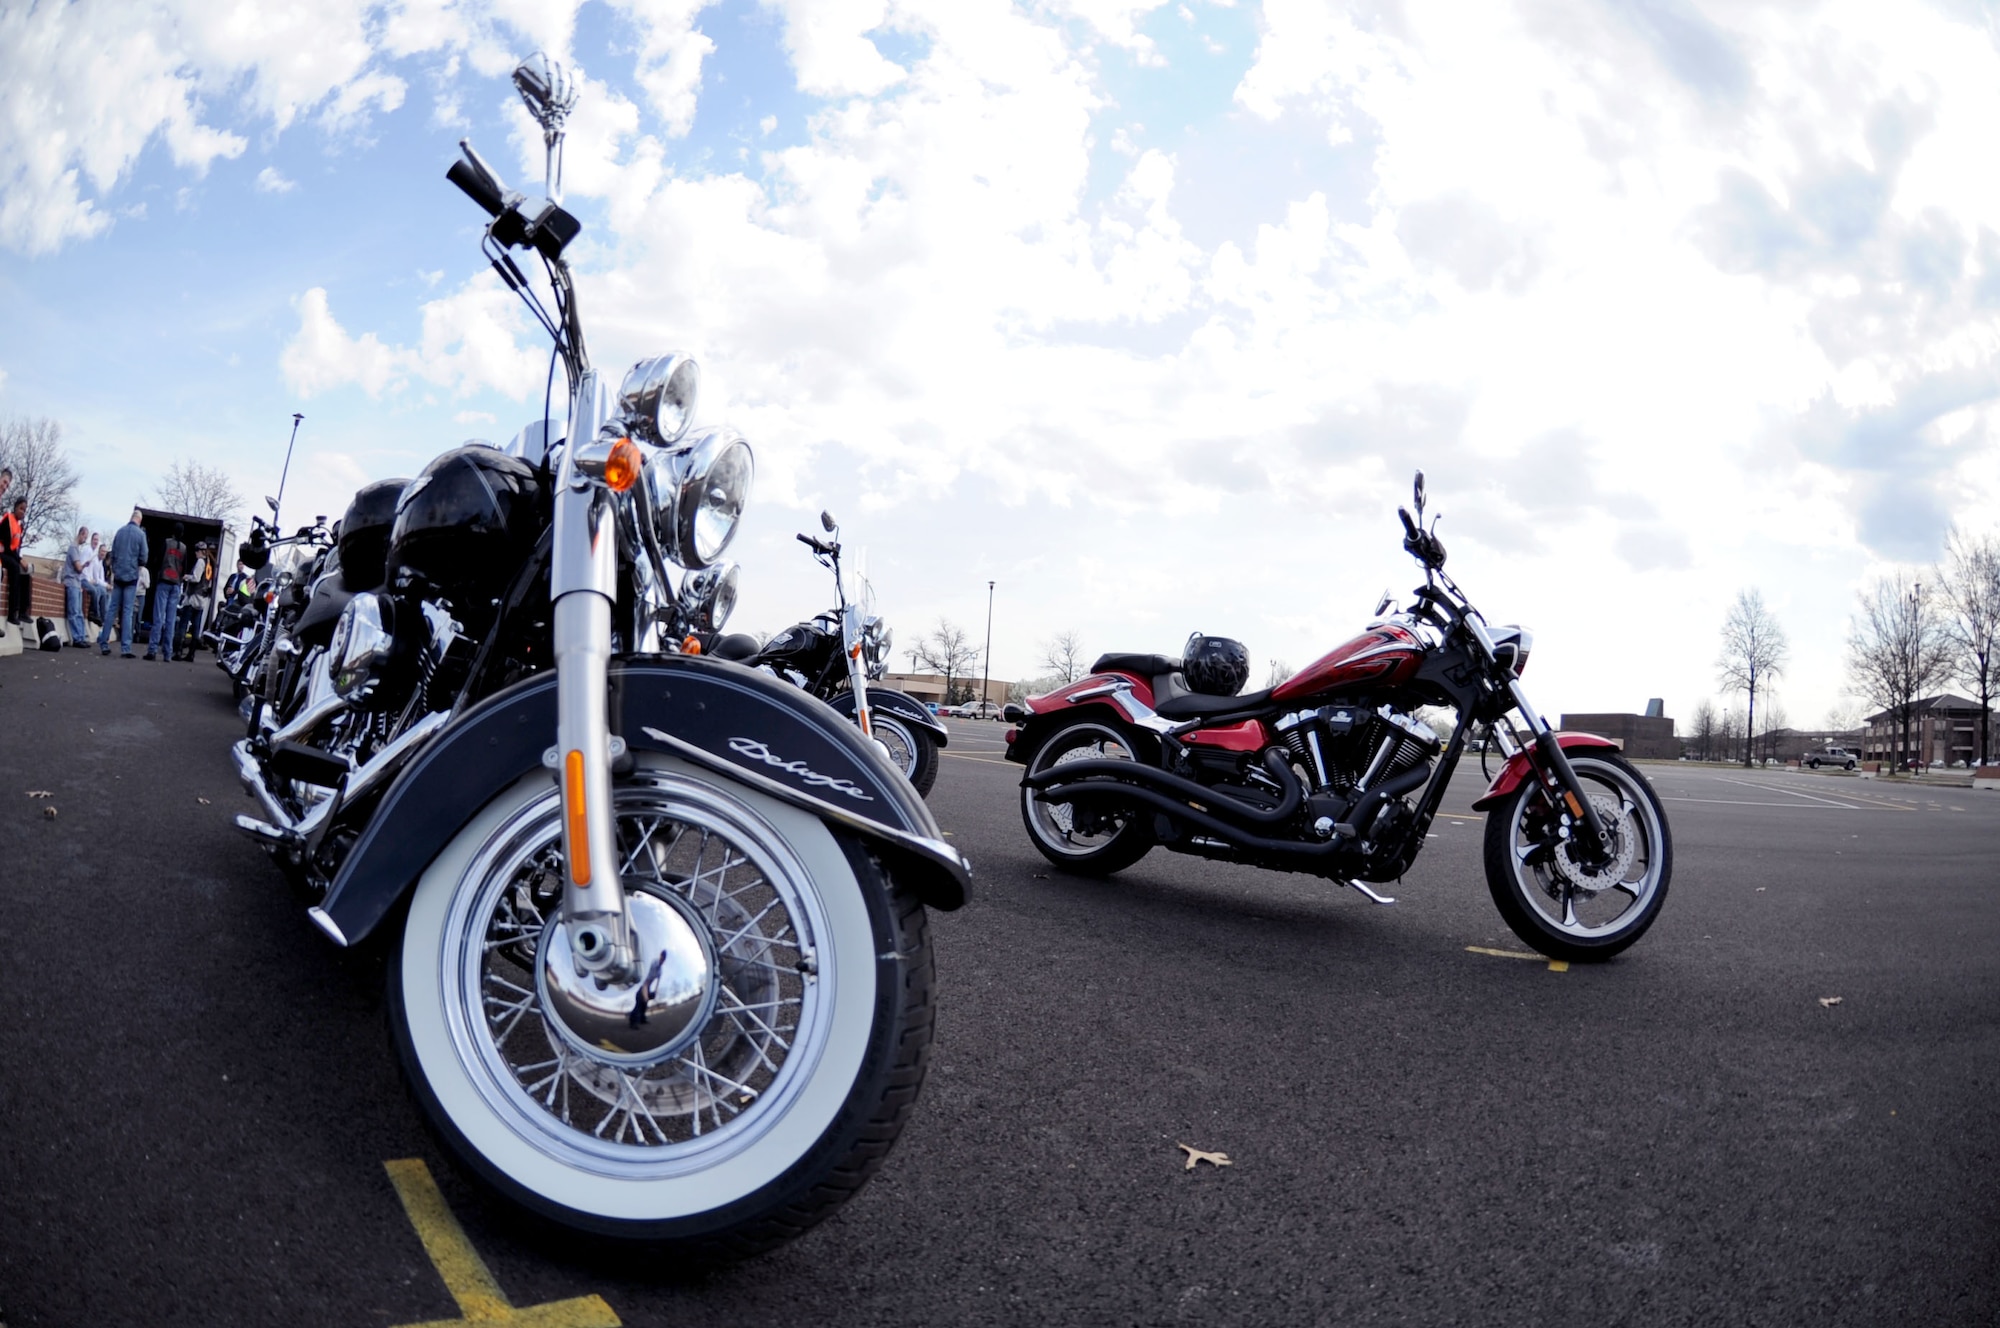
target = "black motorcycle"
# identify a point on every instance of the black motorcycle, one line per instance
(661, 965)
(837, 656)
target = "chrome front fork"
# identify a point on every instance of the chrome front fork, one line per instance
(583, 587)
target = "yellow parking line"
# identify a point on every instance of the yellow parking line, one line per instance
(959, 756)
(465, 1274)
(1555, 965)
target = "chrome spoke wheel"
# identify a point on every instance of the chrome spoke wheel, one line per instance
(762, 1022)
(899, 742)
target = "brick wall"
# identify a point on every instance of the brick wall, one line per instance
(45, 581)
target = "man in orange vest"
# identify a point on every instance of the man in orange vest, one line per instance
(13, 531)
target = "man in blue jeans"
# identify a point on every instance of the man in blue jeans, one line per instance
(128, 554)
(167, 596)
(78, 562)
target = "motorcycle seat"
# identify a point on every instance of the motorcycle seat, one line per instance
(1140, 666)
(1193, 705)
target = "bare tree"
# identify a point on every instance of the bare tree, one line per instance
(1278, 672)
(1728, 732)
(1753, 653)
(947, 650)
(1062, 655)
(1969, 585)
(1844, 715)
(1897, 650)
(1774, 728)
(33, 449)
(193, 489)
(1706, 725)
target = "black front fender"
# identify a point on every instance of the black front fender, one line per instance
(900, 704)
(739, 724)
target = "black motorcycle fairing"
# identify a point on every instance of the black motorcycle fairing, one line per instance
(322, 612)
(738, 724)
(900, 704)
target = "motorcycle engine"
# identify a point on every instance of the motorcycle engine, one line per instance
(1347, 749)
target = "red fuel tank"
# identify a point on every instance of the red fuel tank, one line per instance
(1384, 655)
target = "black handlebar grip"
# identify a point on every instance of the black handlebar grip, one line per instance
(476, 189)
(809, 541)
(1409, 526)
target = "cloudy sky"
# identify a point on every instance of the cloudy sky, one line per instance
(1144, 310)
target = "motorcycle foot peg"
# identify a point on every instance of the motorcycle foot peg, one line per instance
(1380, 899)
(265, 831)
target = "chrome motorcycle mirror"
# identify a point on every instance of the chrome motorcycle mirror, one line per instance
(827, 523)
(550, 95)
(1386, 603)
(1417, 491)
(271, 503)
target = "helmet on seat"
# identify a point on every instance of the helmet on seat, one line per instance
(1215, 665)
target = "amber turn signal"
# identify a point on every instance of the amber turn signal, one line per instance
(579, 836)
(691, 645)
(621, 468)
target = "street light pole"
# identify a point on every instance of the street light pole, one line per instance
(275, 527)
(986, 656)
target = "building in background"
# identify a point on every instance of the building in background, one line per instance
(930, 687)
(1648, 735)
(1942, 729)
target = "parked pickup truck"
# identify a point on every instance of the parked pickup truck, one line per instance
(1839, 756)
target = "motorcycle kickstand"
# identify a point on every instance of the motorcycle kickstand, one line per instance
(1380, 899)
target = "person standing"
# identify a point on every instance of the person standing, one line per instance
(167, 596)
(194, 600)
(95, 579)
(76, 566)
(129, 552)
(13, 531)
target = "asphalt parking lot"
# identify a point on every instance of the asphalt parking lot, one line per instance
(201, 1120)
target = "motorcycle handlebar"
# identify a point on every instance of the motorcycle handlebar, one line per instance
(815, 545)
(1409, 526)
(478, 189)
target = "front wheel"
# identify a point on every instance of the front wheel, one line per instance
(1565, 908)
(771, 1086)
(911, 750)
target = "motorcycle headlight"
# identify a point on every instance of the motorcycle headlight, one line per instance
(363, 647)
(1512, 645)
(875, 641)
(709, 596)
(698, 494)
(657, 397)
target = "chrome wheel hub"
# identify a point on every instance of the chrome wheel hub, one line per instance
(648, 1018)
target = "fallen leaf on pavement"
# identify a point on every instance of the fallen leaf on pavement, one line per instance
(1829, 1000)
(49, 812)
(203, 801)
(40, 793)
(1195, 1155)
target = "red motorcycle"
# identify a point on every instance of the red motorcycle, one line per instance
(1334, 772)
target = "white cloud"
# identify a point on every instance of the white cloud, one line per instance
(269, 181)
(469, 344)
(321, 355)
(829, 46)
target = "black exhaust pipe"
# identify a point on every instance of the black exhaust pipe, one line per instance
(1235, 836)
(1071, 775)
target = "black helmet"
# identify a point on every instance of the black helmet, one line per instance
(1215, 665)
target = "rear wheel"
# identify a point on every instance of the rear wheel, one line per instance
(1088, 838)
(1565, 908)
(789, 1032)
